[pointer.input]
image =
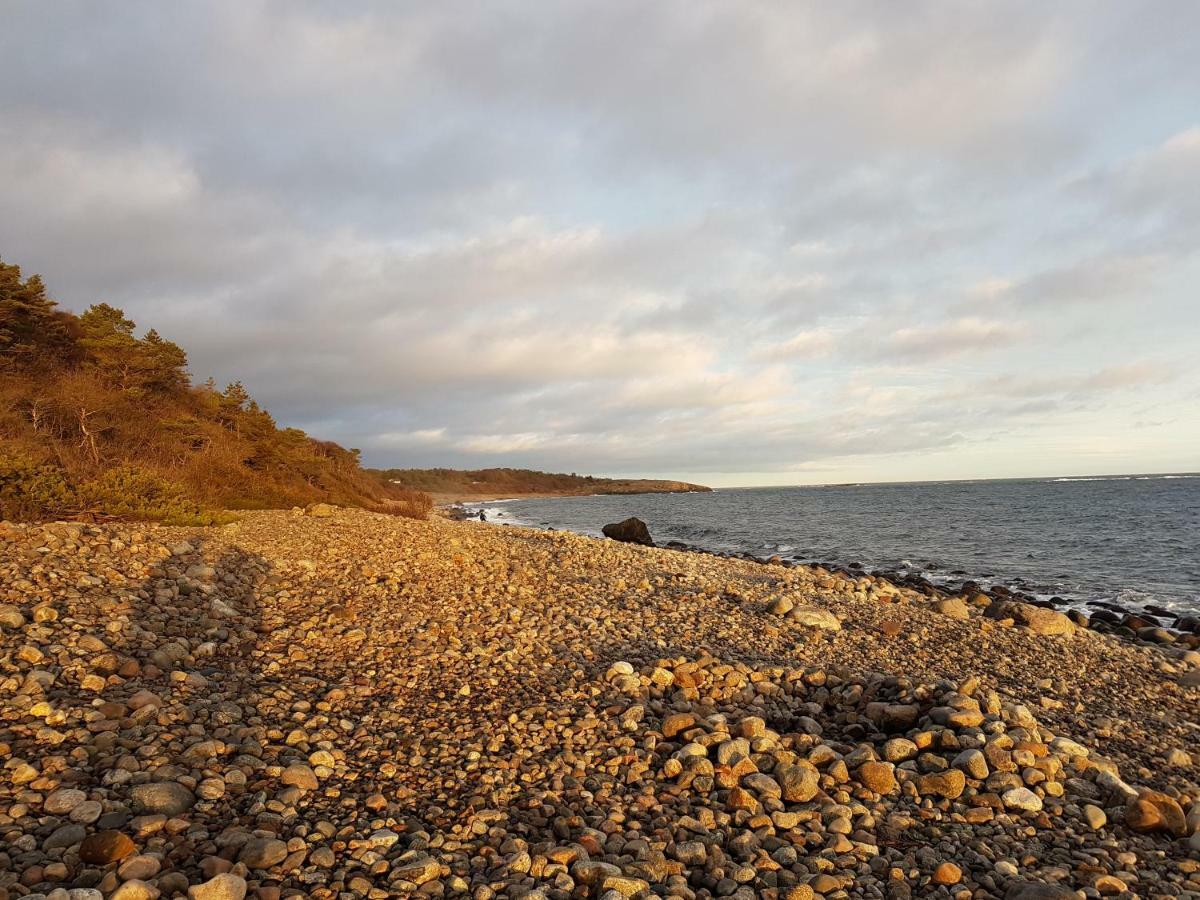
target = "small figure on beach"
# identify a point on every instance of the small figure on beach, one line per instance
(482, 516)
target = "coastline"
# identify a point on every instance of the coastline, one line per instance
(494, 711)
(1145, 620)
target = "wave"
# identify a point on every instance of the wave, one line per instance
(1125, 477)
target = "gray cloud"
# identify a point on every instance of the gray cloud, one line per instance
(668, 238)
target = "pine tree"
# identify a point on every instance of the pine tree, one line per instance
(33, 332)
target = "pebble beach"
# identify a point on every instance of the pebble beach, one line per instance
(352, 705)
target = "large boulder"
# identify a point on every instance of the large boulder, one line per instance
(631, 531)
(1037, 619)
(320, 510)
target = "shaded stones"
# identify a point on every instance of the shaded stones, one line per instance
(1033, 891)
(105, 847)
(165, 797)
(263, 853)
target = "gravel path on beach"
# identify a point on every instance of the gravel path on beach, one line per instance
(361, 706)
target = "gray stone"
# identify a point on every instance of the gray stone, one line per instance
(164, 797)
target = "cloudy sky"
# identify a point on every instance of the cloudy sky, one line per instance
(743, 243)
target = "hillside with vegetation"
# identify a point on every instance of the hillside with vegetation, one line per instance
(517, 482)
(96, 421)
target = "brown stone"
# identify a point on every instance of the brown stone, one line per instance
(877, 777)
(947, 873)
(1154, 811)
(105, 847)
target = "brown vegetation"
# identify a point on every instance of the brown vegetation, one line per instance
(95, 420)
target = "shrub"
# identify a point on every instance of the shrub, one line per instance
(32, 491)
(134, 493)
(410, 504)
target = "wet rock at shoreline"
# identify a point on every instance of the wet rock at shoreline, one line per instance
(629, 531)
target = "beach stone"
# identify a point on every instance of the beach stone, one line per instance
(1022, 799)
(1179, 759)
(62, 801)
(135, 889)
(798, 784)
(954, 607)
(1033, 891)
(418, 870)
(677, 723)
(1037, 619)
(65, 836)
(877, 777)
(263, 853)
(165, 797)
(141, 867)
(780, 606)
(1153, 811)
(221, 887)
(105, 847)
(320, 510)
(949, 784)
(11, 617)
(301, 776)
(973, 763)
(947, 873)
(815, 617)
(1095, 817)
(630, 531)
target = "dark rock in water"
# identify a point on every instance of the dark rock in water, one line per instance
(631, 531)
(1106, 615)
(1001, 591)
(1189, 623)
(1135, 622)
(1155, 635)
(1078, 617)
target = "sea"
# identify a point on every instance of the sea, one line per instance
(1130, 540)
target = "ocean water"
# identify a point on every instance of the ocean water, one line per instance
(1130, 540)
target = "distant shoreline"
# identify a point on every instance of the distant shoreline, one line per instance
(445, 499)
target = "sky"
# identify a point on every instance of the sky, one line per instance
(737, 243)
